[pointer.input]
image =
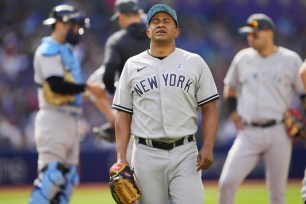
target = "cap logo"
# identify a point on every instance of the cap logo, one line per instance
(253, 24)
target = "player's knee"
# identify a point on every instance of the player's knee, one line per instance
(49, 183)
(38, 198)
(226, 184)
(72, 179)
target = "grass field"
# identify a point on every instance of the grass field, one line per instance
(249, 193)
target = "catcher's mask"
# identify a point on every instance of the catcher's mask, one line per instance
(67, 13)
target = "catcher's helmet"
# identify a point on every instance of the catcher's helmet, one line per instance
(67, 13)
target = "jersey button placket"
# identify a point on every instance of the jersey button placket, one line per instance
(160, 72)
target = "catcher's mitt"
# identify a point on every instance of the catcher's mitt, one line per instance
(123, 185)
(295, 124)
(55, 98)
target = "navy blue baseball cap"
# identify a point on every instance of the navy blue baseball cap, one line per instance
(161, 8)
(125, 6)
(257, 22)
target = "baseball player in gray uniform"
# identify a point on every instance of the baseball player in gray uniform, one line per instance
(303, 77)
(262, 81)
(158, 97)
(56, 135)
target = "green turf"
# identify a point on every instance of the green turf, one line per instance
(246, 194)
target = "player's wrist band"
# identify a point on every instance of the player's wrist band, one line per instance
(230, 104)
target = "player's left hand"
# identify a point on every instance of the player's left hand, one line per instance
(205, 159)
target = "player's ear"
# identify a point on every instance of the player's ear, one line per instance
(148, 32)
(177, 32)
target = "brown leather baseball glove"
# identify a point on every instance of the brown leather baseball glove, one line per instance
(295, 124)
(123, 185)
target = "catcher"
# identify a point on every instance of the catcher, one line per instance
(58, 74)
(123, 185)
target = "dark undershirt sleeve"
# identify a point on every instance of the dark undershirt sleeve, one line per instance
(109, 77)
(112, 61)
(58, 85)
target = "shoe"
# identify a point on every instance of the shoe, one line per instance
(106, 132)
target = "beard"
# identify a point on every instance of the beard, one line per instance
(72, 37)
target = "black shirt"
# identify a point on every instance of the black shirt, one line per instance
(120, 46)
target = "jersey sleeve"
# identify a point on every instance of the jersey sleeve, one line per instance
(112, 59)
(123, 96)
(232, 79)
(207, 89)
(47, 66)
(298, 84)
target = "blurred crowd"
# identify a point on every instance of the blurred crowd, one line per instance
(208, 27)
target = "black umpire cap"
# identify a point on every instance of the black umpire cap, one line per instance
(125, 6)
(257, 22)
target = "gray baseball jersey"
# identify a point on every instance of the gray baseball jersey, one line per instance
(269, 84)
(52, 66)
(154, 91)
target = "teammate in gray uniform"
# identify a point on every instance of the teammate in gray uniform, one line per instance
(262, 81)
(56, 134)
(303, 77)
(130, 40)
(158, 97)
(303, 190)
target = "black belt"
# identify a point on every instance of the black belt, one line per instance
(165, 145)
(263, 125)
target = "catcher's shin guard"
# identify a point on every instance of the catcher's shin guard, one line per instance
(48, 184)
(72, 179)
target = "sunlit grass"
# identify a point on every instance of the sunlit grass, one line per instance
(248, 193)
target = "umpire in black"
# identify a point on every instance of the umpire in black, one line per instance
(130, 40)
(125, 43)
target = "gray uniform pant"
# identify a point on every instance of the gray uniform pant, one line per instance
(163, 174)
(303, 190)
(253, 143)
(56, 137)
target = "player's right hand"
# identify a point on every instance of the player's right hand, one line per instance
(237, 120)
(97, 89)
(205, 159)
